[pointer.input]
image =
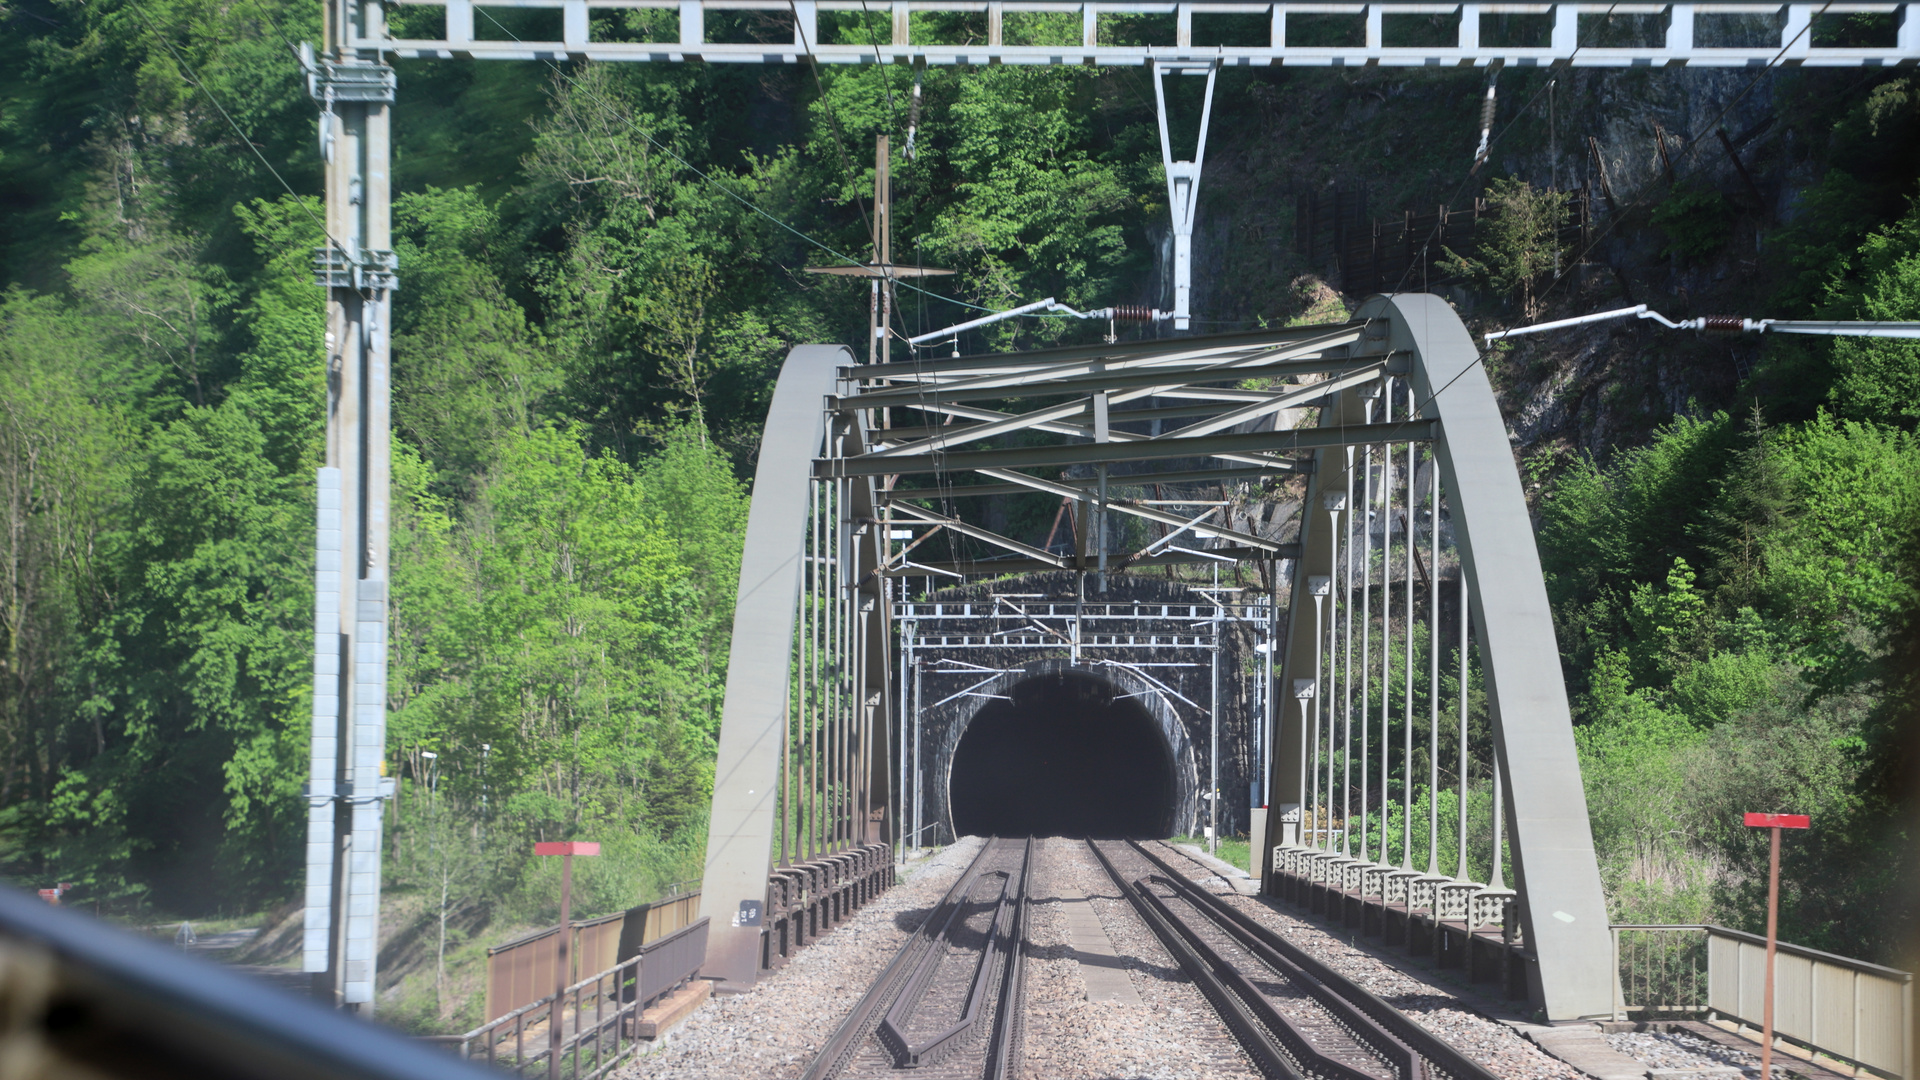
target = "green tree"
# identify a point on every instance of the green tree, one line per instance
(1878, 379)
(468, 367)
(1519, 242)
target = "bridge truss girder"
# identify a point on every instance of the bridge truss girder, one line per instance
(810, 643)
(1071, 394)
(1561, 909)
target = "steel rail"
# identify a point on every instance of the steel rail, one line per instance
(1351, 998)
(860, 1020)
(1206, 971)
(1305, 1047)
(884, 1012)
(1009, 1017)
(1406, 1063)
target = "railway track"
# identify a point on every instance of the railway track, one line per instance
(949, 1004)
(1296, 1017)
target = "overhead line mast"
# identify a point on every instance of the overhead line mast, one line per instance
(355, 89)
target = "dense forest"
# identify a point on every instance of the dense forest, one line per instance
(602, 267)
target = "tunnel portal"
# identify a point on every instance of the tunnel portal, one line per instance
(1063, 757)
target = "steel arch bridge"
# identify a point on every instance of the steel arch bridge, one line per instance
(1406, 428)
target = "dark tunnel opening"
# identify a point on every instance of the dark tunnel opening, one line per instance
(1063, 758)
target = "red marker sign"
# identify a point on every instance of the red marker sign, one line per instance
(566, 849)
(1773, 823)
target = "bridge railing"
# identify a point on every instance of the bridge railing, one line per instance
(1847, 1009)
(597, 1016)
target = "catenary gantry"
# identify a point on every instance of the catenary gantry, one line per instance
(1689, 35)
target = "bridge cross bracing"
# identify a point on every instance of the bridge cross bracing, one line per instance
(1690, 37)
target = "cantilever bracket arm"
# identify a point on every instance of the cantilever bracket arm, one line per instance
(1183, 182)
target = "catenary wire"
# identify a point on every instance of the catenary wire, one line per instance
(1691, 151)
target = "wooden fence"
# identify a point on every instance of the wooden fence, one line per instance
(521, 971)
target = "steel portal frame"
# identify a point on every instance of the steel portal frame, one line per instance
(1076, 631)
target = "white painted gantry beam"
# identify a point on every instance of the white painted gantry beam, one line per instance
(470, 33)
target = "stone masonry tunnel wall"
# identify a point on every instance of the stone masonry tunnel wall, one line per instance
(971, 725)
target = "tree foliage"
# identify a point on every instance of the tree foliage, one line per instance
(1518, 243)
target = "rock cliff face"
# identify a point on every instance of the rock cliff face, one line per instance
(1406, 138)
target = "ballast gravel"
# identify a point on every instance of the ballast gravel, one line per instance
(1685, 1050)
(1504, 1051)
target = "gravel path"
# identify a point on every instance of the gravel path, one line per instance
(773, 1030)
(1500, 1048)
(1172, 1035)
(1685, 1050)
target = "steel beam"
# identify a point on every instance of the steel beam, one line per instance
(1286, 784)
(1183, 176)
(1264, 405)
(1041, 380)
(1034, 554)
(1052, 385)
(1091, 453)
(1680, 48)
(1059, 427)
(1241, 341)
(1128, 507)
(1078, 483)
(1564, 910)
(740, 835)
(1032, 566)
(1277, 402)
